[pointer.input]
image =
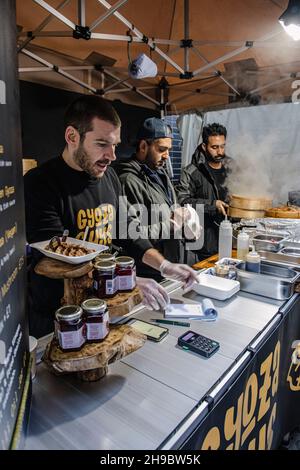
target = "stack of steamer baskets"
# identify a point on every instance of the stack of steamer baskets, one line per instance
(243, 207)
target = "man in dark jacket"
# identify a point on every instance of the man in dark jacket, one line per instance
(203, 182)
(150, 192)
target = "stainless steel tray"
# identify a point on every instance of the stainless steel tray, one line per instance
(291, 251)
(281, 258)
(268, 242)
(274, 281)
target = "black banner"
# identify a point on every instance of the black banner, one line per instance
(13, 330)
(263, 403)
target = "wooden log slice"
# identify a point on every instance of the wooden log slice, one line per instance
(123, 303)
(59, 270)
(121, 341)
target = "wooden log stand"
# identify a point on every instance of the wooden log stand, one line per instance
(91, 362)
(78, 284)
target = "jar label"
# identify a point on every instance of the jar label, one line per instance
(126, 282)
(98, 330)
(111, 286)
(71, 339)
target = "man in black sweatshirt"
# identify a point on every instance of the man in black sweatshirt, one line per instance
(203, 182)
(80, 189)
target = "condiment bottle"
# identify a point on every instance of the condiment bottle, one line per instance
(253, 261)
(96, 318)
(242, 245)
(225, 239)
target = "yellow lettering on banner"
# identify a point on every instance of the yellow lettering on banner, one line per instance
(275, 367)
(249, 405)
(81, 219)
(265, 370)
(262, 438)
(251, 445)
(212, 440)
(233, 427)
(270, 426)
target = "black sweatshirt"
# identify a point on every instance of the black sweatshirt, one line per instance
(57, 198)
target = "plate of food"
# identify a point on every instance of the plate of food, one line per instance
(71, 250)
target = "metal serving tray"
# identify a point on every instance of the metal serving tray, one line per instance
(268, 242)
(274, 281)
(280, 258)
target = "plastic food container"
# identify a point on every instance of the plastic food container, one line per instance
(215, 287)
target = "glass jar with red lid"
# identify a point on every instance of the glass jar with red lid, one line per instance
(126, 273)
(105, 280)
(70, 328)
(96, 318)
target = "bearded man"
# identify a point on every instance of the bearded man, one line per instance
(79, 189)
(203, 183)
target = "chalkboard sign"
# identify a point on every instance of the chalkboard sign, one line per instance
(13, 329)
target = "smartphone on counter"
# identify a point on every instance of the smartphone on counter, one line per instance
(153, 332)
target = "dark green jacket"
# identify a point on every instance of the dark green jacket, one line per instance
(141, 189)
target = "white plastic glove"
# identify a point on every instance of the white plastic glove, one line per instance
(179, 272)
(155, 296)
(180, 217)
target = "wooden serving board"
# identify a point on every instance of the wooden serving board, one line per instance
(91, 362)
(59, 270)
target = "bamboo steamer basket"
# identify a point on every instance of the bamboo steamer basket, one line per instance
(283, 213)
(250, 203)
(245, 214)
(242, 207)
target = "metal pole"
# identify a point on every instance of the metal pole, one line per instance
(81, 12)
(41, 26)
(54, 12)
(107, 14)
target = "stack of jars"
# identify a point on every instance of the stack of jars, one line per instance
(76, 325)
(112, 275)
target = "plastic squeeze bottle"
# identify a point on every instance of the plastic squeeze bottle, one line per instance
(225, 239)
(253, 261)
(242, 245)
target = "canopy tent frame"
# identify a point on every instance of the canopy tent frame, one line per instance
(81, 31)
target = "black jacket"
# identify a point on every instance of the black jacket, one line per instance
(198, 186)
(140, 188)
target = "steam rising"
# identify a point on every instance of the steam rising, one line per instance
(258, 170)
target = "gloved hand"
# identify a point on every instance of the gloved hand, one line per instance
(179, 272)
(180, 216)
(155, 296)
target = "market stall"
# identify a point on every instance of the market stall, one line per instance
(162, 396)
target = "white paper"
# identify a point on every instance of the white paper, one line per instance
(191, 311)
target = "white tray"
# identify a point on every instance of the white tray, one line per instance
(216, 287)
(70, 259)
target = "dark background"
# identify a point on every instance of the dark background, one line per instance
(42, 110)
